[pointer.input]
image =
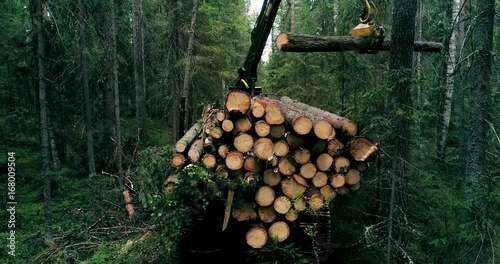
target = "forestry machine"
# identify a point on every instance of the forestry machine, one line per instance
(247, 74)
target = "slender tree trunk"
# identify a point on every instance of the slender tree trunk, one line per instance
(480, 100)
(188, 67)
(116, 90)
(175, 77)
(85, 87)
(44, 130)
(291, 3)
(450, 82)
(461, 86)
(139, 70)
(56, 162)
(109, 132)
(400, 105)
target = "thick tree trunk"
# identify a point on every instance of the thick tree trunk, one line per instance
(85, 87)
(289, 42)
(189, 65)
(450, 81)
(44, 123)
(139, 69)
(480, 100)
(398, 145)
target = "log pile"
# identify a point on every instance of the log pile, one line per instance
(300, 158)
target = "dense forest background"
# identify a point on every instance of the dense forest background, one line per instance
(91, 92)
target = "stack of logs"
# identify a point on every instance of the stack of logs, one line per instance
(301, 157)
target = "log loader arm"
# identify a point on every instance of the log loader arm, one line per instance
(247, 74)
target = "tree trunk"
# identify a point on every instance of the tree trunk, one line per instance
(289, 42)
(139, 69)
(113, 84)
(450, 82)
(174, 58)
(85, 87)
(189, 65)
(480, 100)
(56, 162)
(44, 129)
(292, 15)
(398, 145)
(109, 128)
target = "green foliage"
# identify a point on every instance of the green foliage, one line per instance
(275, 252)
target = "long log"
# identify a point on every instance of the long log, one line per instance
(189, 137)
(290, 42)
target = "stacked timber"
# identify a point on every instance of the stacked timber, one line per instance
(300, 158)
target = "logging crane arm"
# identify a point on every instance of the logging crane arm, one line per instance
(247, 74)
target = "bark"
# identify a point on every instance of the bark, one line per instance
(189, 60)
(174, 60)
(189, 137)
(480, 100)
(139, 68)
(44, 130)
(85, 87)
(450, 81)
(399, 110)
(290, 42)
(56, 162)
(363, 149)
(291, 4)
(196, 150)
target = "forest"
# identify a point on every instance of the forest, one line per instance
(95, 96)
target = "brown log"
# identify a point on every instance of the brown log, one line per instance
(266, 214)
(342, 124)
(308, 170)
(271, 177)
(337, 180)
(294, 140)
(352, 177)
(127, 197)
(263, 148)
(234, 160)
(188, 138)
(279, 231)
(274, 115)
(302, 156)
(237, 102)
(301, 124)
(273, 162)
(362, 149)
(341, 164)
(227, 125)
(220, 115)
(355, 187)
(256, 237)
(249, 178)
(281, 148)
(299, 204)
(292, 215)
(243, 142)
(209, 144)
(196, 150)
(290, 42)
(328, 192)
(216, 132)
(287, 165)
(292, 188)
(277, 131)
(300, 180)
(130, 211)
(209, 161)
(282, 204)
(265, 196)
(221, 171)
(312, 190)
(323, 129)
(177, 160)
(252, 164)
(335, 147)
(362, 166)
(324, 162)
(316, 202)
(262, 128)
(246, 212)
(223, 150)
(243, 123)
(169, 183)
(320, 179)
(258, 110)
(319, 146)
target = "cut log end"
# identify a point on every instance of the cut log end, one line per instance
(363, 149)
(282, 204)
(279, 230)
(238, 102)
(267, 214)
(264, 148)
(265, 196)
(271, 177)
(256, 237)
(177, 160)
